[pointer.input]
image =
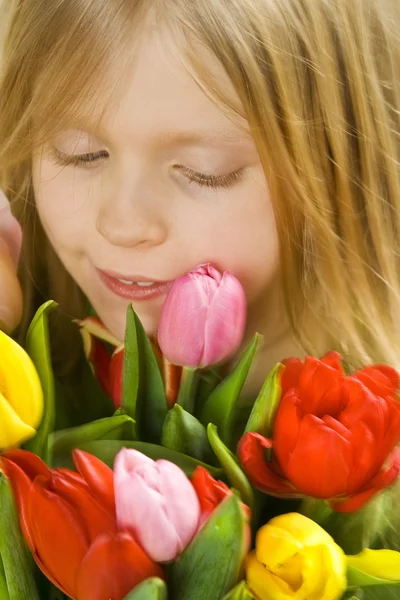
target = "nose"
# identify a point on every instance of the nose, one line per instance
(132, 216)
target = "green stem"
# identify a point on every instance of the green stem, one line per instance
(187, 390)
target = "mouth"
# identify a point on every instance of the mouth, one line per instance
(133, 287)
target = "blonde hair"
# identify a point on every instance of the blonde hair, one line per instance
(319, 83)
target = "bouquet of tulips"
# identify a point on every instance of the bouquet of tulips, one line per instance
(168, 488)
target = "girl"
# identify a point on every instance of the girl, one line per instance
(141, 138)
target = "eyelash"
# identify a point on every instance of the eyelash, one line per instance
(209, 181)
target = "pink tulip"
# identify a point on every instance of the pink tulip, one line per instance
(156, 502)
(203, 318)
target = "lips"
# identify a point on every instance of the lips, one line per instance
(133, 287)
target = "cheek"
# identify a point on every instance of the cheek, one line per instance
(243, 239)
(64, 204)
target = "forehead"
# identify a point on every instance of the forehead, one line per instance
(158, 98)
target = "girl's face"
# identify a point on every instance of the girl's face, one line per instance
(168, 183)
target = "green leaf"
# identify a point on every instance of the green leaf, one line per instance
(182, 432)
(357, 578)
(262, 416)
(229, 463)
(4, 595)
(38, 348)
(143, 395)
(240, 592)
(131, 369)
(151, 589)
(222, 404)
(210, 565)
(17, 562)
(66, 440)
(382, 592)
(106, 450)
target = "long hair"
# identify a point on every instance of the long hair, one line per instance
(319, 83)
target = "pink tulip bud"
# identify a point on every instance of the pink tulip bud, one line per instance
(203, 318)
(156, 502)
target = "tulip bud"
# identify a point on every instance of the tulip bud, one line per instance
(203, 318)
(21, 396)
(156, 502)
(295, 558)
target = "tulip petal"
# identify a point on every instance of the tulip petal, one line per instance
(182, 320)
(334, 360)
(59, 534)
(382, 480)
(265, 584)
(365, 461)
(128, 460)
(13, 431)
(226, 321)
(20, 484)
(291, 373)
(320, 465)
(381, 380)
(30, 463)
(294, 367)
(115, 375)
(286, 427)
(319, 388)
(112, 567)
(98, 476)
(251, 452)
(142, 510)
(323, 573)
(101, 363)
(286, 534)
(182, 503)
(392, 434)
(210, 492)
(95, 327)
(362, 405)
(20, 387)
(95, 518)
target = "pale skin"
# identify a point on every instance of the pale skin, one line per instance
(139, 208)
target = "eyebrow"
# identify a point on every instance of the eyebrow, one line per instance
(203, 137)
(181, 137)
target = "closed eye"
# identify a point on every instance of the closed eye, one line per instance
(224, 180)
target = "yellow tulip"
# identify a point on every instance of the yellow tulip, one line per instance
(21, 396)
(384, 564)
(295, 559)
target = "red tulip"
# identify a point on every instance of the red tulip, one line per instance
(203, 318)
(334, 436)
(69, 523)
